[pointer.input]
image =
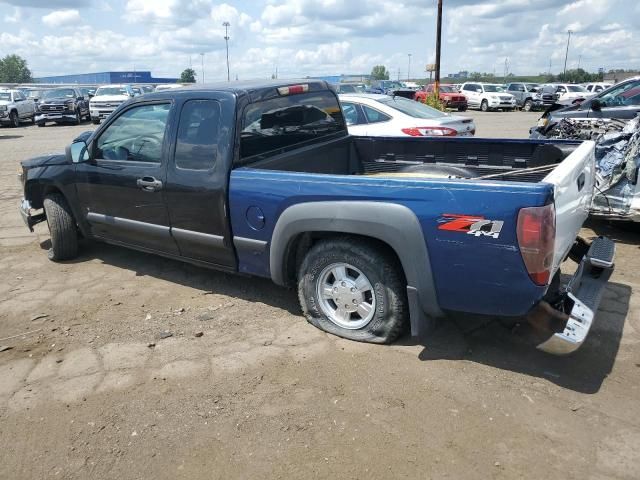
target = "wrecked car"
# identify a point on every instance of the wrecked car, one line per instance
(379, 235)
(617, 162)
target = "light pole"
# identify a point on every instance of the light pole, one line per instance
(566, 55)
(409, 69)
(226, 26)
(202, 58)
(436, 87)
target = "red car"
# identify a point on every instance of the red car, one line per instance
(448, 95)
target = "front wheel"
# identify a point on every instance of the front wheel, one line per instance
(14, 119)
(528, 106)
(353, 289)
(78, 118)
(95, 120)
(484, 106)
(462, 109)
(62, 227)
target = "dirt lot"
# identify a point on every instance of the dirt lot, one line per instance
(84, 394)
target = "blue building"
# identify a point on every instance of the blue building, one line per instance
(105, 78)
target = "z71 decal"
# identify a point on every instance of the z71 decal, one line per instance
(471, 225)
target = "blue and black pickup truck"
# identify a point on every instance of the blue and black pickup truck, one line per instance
(380, 235)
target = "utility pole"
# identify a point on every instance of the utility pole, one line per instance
(579, 61)
(202, 58)
(409, 69)
(226, 26)
(436, 87)
(506, 69)
(566, 55)
(549, 67)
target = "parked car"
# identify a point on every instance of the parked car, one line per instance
(597, 87)
(570, 94)
(137, 90)
(107, 99)
(528, 95)
(449, 96)
(15, 107)
(34, 94)
(385, 116)
(62, 105)
(378, 234)
(391, 87)
(620, 101)
(350, 88)
(486, 96)
(147, 88)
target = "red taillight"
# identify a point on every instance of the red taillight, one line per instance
(536, 237)
(430, 132)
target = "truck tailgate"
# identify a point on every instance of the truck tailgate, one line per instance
(574, 181)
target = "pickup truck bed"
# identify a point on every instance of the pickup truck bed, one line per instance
(377, 233)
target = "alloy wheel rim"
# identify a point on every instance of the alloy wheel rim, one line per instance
(346, 296)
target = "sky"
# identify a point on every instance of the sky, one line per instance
(318, 37)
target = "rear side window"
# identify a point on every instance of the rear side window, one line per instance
(197, 142)
(282, 122)
(375, 116)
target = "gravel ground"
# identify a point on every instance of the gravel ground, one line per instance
(244, 387)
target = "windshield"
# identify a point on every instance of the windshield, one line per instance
(493, 88)
(447, 89)
(388, 84)
(351, 89)
(111, 91)
(5, 96)
(411, 107)
(532, 86)
(35, 93)
(577, 88)
(59, 92)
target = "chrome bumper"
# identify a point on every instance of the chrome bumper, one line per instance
(25, 212)
(583, 295)
(55, 116)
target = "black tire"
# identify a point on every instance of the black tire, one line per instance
(62, 227)
(390, 316)
(528, 106)
(41, 124)
(78, 120)
(33, 119)
(484, 106)
(95, 121)
(14, 118)
(462, 109)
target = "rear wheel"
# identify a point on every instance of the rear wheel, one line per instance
(62, 227)
(353, 289)
(14, 119)
(484, 106)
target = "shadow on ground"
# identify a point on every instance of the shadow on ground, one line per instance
(252, 289)
(491, 344)
(494, 345)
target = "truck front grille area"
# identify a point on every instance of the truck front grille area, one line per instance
(53, 108)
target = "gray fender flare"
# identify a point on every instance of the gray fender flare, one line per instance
(393, 224)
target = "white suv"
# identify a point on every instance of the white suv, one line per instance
(487, 96)
(107, 99)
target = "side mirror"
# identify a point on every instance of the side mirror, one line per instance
(91, 95)
(77, 152)
(596, 105)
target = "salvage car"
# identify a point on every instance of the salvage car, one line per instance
(378, 234)
(620, 101)
(385, 116)
(15, 107)
(391, 87)
(485, 97)
(449, 96)
(62, 105)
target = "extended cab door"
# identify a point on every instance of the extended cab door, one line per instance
(121, 187)
(197, 178)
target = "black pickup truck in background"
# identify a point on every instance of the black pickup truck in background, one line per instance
(62, 105)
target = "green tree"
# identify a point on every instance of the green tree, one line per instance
(188, 76)
(379, 72)
(13, 69)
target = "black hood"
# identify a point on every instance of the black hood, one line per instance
(45, 160)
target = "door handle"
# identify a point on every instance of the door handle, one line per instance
(149, 184)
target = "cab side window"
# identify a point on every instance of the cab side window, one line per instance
(198, 130)
(137, 135)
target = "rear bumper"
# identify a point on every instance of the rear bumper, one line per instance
(580, 304)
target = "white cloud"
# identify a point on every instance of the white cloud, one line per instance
(16, 17)
(61, 18)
